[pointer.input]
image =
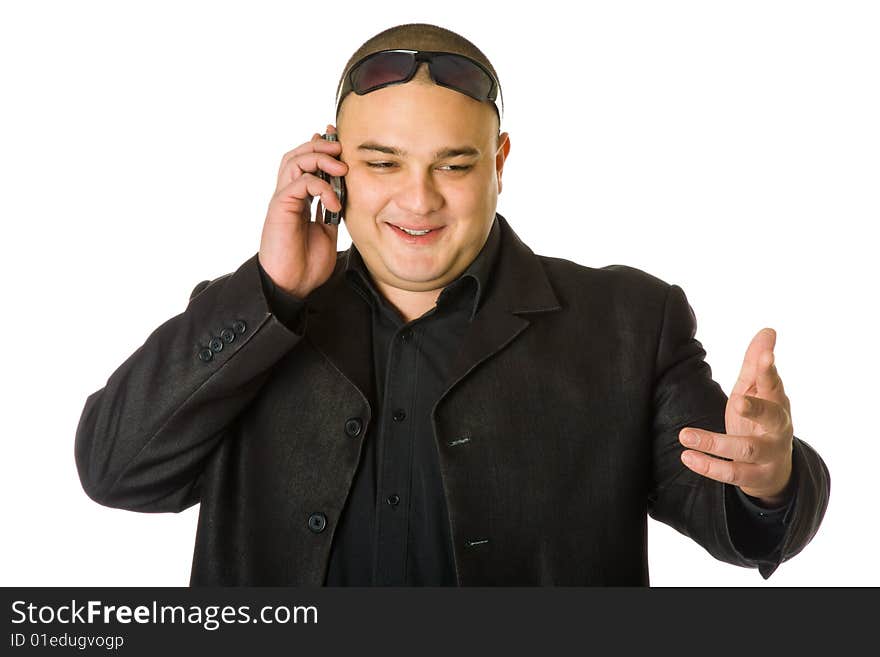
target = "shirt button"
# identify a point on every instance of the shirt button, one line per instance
(317, 522)
(394, 500)
(399, 415)
(353, 426)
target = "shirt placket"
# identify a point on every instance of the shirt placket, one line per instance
(395, 458)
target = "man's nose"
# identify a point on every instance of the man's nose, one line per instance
(420, 195)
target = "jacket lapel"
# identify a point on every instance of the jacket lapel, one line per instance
(339, 319)
(517, 285)
(339, 326)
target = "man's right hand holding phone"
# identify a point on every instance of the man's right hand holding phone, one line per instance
(297, 252)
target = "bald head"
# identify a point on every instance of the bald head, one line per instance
(418, 36)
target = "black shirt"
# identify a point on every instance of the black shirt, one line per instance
(394, 529)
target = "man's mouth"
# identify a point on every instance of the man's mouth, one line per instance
(416, 231)
(417, 236)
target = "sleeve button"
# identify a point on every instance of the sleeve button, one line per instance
(216, 344)
(239, 326)
(206, 355)
(228, 335)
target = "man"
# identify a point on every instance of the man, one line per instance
(442, 407)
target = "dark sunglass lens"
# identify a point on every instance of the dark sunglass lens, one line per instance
(384, 68)
(455, 71)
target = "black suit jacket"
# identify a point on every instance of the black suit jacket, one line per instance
(557, 434)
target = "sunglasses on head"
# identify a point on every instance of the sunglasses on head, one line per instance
(447, 69)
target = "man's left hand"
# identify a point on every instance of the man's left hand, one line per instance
(759, 431)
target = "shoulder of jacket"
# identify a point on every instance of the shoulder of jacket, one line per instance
(613, 277)
(200, 287)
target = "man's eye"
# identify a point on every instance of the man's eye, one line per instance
(448, 167)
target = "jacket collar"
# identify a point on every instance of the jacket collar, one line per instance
(339, 322)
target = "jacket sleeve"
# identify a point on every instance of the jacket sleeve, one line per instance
(756, 531)
(143, 439)
(708, 511)
(288, 308)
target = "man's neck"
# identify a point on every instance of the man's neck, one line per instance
(411, 305)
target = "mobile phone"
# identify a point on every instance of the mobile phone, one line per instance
(338, 185)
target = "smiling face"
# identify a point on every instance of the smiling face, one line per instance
(419, 156)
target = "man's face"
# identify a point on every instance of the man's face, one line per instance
(420, 186)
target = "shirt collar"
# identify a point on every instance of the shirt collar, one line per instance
(469, 288)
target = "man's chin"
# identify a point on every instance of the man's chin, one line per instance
(417, 279)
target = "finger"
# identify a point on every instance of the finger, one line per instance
(764, 340)
(743, 449)
(770, 415)
(303, 190)
(311, 162)
(316, 186)
(749, 475)
(769, 382)
(334, 148)
(315, 144)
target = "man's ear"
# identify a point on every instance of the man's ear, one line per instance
(501, 156)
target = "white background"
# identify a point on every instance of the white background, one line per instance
(731, 148)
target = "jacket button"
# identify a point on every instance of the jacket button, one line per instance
(399, 415)
(228, 335)
(406, 336)
(216, 344)
(239, 326)
(206, 355)
(353, 426)
(317, 522)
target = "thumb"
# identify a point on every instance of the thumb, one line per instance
(763, 341)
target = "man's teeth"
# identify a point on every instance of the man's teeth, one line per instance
(414, 232)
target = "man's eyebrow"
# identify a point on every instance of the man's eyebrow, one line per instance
(469, 151)
(449, 151)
